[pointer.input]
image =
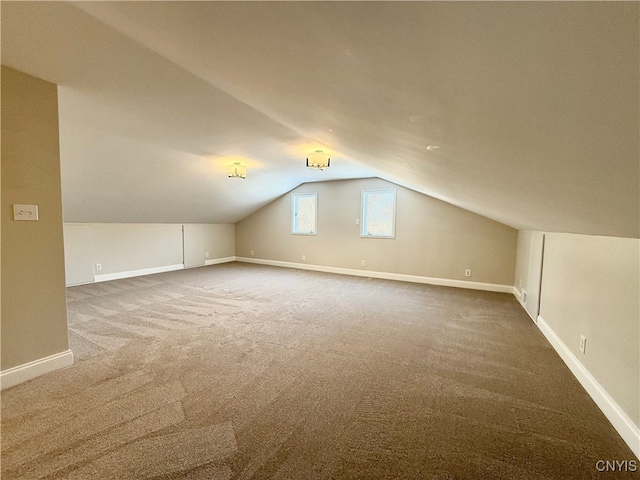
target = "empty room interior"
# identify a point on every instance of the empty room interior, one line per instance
(320, 240)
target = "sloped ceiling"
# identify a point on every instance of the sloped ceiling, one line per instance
(534, 106)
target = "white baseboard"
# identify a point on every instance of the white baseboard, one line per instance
(79, 283)
(137, 273)
(516, 293)
(490, 287)
(628, 430)
(22, 373)
(216, 261)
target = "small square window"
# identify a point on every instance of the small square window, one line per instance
(378, 213)
(304, 218)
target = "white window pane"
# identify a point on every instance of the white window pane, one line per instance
(378, 213)
(304, 220)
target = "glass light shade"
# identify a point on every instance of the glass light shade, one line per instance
(318, 160)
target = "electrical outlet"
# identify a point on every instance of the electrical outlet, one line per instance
(363, 263)
(357, 221)
(467, 273)
(98, 267)
(524, 296)
(252, 253)
(206, 254)
(583, 344)
(304, 257)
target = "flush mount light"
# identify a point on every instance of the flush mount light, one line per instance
(319, 160)
(237, 170)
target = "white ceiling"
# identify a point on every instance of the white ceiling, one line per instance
(535, 106)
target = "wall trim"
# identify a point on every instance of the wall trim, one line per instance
(628, 430)
(22, 373)
(137, 273)
(78, 284)
(489, 287)
(216, 261)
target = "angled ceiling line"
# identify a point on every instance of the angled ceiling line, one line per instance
(201, 76)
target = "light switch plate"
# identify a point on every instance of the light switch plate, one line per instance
(25, 212)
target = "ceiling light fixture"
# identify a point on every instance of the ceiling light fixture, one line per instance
(433, 147)
(319, 160)
(237, 170)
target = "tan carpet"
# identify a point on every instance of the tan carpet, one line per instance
(239, 371)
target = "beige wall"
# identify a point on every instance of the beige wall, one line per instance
(125, 247)
(34, 311)
(529, 269)
(591, 287)
(433, 238)
(220, 240)
(121, 247)
(193, 245)
(208, 242)
(78, 253)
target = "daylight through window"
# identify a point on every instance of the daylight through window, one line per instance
(304, 219)
(378, 213)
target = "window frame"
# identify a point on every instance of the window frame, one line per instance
(363, 215)
(294, 196)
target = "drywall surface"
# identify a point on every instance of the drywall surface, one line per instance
(220, 240)
(591, 287)
(140, 248)
(78, 254)
(120, 247)
(34, 310)
(529, 269)
(207, 243)
(193, 245)
(433, 238)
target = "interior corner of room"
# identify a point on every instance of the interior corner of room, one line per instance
(579, 284)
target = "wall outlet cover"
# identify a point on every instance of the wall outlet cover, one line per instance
(25, 212)
(583, 344)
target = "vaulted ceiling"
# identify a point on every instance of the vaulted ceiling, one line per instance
(534, 105)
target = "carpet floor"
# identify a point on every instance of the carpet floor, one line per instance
(241, 371)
